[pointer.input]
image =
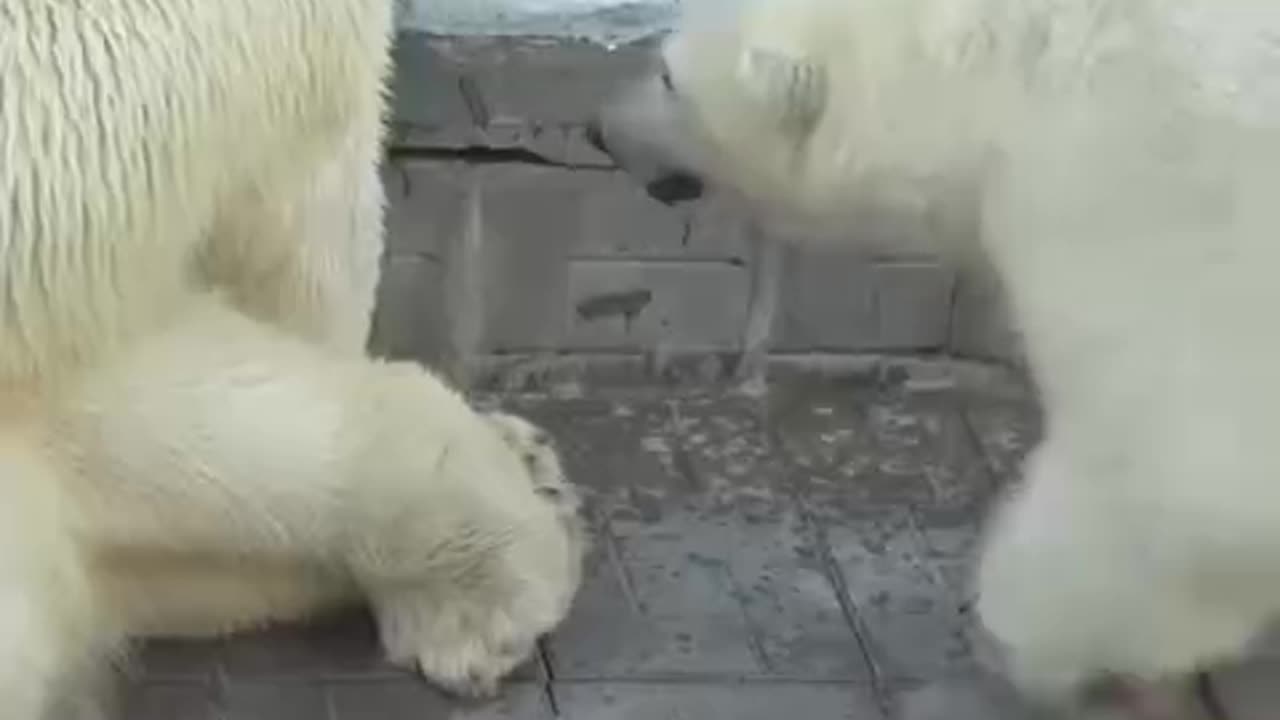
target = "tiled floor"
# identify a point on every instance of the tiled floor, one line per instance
(752, 559)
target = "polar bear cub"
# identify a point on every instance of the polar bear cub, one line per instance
(221, 476)
(1122, 158)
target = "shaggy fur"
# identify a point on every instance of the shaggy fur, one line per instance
(179, 463)
(220, 476)
(1122, 156)
(146, 146)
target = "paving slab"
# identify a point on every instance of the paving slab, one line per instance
(169, 701)
(740, 548)
(399, 700)
(761, 701)
(705, 565)
(892, 482)
(804, 553)
(1249, 691)
(646, 610)
(1005, 429)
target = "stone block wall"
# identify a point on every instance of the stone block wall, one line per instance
(516, 253)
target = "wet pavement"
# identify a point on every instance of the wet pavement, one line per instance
(803, 555)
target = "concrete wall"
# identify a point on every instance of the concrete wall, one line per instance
(601, 21)
(517, 253)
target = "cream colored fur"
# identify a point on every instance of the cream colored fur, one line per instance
(177, 463)
(1123, 157)
(145, 147)
(221, 476)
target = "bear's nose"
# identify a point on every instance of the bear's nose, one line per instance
(675, 187)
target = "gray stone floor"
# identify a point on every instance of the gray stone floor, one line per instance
(752, 558)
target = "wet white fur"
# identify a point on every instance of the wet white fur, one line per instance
(1123, 157)
(180, 461)
(147, 146)
(221, 475)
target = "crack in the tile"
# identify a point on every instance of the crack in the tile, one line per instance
(614, 554)
(545, 662)
(849, 609)
(975, 441)
(1207, 691)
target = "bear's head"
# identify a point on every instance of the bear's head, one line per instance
(822, 115)
(736, 99)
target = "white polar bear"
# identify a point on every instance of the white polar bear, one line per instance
(148, 146)
(220, 476)
(1123, 158)
(183, 464)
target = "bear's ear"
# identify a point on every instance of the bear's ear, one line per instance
(791, 89)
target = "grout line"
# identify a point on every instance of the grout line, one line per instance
(711, 679)
(548, 677)
(614, 554)
(683, 459)
(1207, 692)
(848, 607)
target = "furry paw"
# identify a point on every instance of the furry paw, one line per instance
(468, 630)
(537, 451)
(465, 648)
(475, 609)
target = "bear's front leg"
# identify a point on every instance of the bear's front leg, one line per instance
(465, 587)
(225, 438)
(1093, 605)
(469, 648)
